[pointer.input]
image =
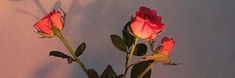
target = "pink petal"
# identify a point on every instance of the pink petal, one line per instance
(56, 19)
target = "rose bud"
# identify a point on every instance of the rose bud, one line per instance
(146, 24)
(45, 26)
(166, 46)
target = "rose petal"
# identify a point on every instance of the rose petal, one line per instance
(56, 19)
(146, 23)
(167, 45)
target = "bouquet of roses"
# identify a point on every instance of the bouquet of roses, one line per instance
(146, 25)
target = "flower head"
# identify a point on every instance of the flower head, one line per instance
(146, 24)
(166, 46)
(48, 22)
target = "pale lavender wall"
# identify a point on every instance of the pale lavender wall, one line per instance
(203, 29)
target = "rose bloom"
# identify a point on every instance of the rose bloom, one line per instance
(45, 25)
(146, 24)
(166, 46)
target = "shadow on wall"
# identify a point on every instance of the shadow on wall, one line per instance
(57, 5)
(45, 70)
(99, 17)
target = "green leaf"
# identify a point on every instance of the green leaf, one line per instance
(139, 68)
(128, 38)
(81, 48)
(92, 73)
(140, 49)
(172, 64)
(61, 55)
(157, 50)
(157, 57)
(118, 42)
(70, 60)
(151, 45)
(108, 73)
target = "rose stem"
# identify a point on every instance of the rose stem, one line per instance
(60, 36)
(147, 69)
(129, 56)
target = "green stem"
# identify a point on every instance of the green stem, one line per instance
(60, 36)
(147, 69)
(126, 67)
(129, 56)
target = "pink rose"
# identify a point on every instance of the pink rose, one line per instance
(146, 24)
(166, 46)
(45, 25)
